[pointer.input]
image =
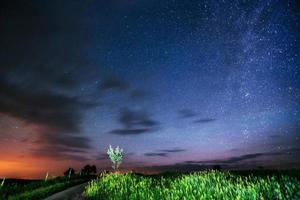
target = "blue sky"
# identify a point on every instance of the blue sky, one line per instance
(172, 82)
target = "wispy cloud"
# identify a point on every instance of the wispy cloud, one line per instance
(131, 131)
(153, 154)
(164, 152)
(174, 150)
(204, 120)
(186, 113)
(114, 83)
(54, 110)
(135, 122)
(139, 94)
(246, 157)
(183, 167)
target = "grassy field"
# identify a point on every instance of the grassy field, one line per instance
(195, 186)
(15, 189)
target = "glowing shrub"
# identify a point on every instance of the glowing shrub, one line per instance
(116, 156)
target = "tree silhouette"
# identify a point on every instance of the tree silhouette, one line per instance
(88, 170)
(217, 167)
(70, 172)
(94, 169)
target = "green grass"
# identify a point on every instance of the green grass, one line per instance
(36, 189)
(194, 186)
(43, 192)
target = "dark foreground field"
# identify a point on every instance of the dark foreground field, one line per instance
(16, 189)
(250, 185)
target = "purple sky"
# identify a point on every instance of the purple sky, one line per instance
(176, 84)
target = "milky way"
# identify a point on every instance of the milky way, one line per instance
(176, 84)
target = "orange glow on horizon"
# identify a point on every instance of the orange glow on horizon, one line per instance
(12, 169)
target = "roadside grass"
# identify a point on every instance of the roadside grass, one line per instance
(36, 189)
(193, 186)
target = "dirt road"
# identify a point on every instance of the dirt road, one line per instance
(73, 193)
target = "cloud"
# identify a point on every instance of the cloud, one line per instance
(102, 156)
(275, 136)
(164, 152)
(134, 123)
(180, 167)
(57, 116)
(65, 80)
(232, 162)
(54, 110)
(204, 120)
(152, 154)
(61, 146)
(58, 154)
(64, 140)
(38, 80)
(131, 131)
(186, 113)
(138, 94)
(49, 59)
(242, 158)
(114, 83)
(174, 150)
(245, 157)
(131, 118)
(34, 78)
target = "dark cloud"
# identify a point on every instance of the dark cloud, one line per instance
(50, 109)
(293, 150)
(229, 160)
(41, 48)
(59, 153)
(242, 158)
(204, 120)
(164, 152)
(139, 94)
(275, 136)
(114, 83)
(135, 123)
(186, 113)
(175, 150)
(102, 156)
(131, 118)
(37, 66)
(65, 80)
(61, 146)
(153, 154)
(235, 150)
(180, 167)
(39, 63)
(238, 159)
(64, 140)
(58, 117)
(230, 163)
(131, 131)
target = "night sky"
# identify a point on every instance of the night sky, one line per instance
(177, 84)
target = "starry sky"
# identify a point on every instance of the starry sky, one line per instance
(179, 85)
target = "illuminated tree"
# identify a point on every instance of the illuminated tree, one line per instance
(116, 156)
